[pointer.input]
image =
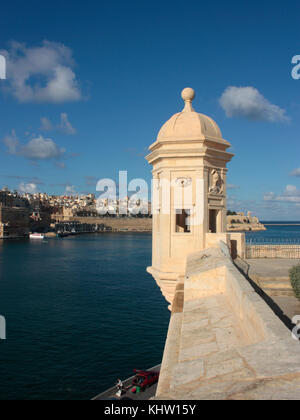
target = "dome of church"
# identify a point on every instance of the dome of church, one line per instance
(189, 124)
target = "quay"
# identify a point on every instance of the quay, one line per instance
(142, 396)
(273, 280)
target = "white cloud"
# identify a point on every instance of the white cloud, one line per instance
(249, 103)
(38, 148)
(65, 126)
(46, 124)
(42, 74)
(28, 188)
(291, 194)
(41, 148)
(296, 172)
(291, 190)
(232, 187)
(12, 143)
(61, 87)
(237, 204)
(70, 189)
(284, 206)
(60, 165)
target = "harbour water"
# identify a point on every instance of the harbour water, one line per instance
(81, 312)
(277, 232)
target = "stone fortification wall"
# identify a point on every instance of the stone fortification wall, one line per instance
(117, 224)
(243, 223)
(224, 341)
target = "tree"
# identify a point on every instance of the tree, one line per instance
(231, 213)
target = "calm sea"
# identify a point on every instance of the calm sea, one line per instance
(278, 232)
(80, 312)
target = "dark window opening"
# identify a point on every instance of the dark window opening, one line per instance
(183, 224)
(213, 221)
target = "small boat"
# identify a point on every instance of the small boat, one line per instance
(62, 234)
(40, 236)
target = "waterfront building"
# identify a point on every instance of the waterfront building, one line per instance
(14, 222)
(6, 198)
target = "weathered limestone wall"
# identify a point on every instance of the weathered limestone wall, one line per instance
(235, 241)
(273, 251)
(117, 224)
(238, 245)
(224, 341)
(213, 239)
(167, 281)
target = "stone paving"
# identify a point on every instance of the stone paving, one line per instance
(225, 342)
(272, 276)
(289, 305)
(271, 268)
(209, 336)
(110, 394)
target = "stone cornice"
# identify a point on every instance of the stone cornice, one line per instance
(197, 140)
(206, 152)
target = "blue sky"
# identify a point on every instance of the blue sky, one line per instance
(89, 86)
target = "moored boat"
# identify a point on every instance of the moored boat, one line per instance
(62, 234)
(36, 236)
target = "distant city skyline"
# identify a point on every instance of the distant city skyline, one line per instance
(77, 109)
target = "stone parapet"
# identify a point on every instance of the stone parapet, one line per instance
(224, 341)
(167, 282)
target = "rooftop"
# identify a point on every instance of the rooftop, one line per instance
(189, 124)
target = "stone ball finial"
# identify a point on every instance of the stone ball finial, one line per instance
(188, 94)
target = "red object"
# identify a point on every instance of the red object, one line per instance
(145, 378)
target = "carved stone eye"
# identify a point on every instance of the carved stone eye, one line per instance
(184, 182)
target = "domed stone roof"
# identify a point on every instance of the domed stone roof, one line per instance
(188, 124)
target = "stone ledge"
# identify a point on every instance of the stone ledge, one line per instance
(229, 343)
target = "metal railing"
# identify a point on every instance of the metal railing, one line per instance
(272, 241)
(273, 248)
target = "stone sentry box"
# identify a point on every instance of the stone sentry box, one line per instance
(189, 161)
